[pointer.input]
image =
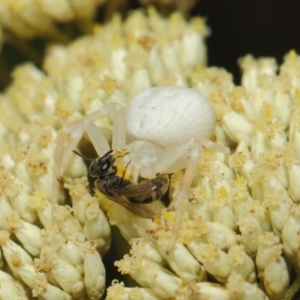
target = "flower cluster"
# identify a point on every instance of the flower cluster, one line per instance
(54, 250)
(29, 18)
(239, 234)
(239, 238)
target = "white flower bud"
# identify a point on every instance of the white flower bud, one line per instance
(17, 285)
(14, 254)
(147, 250)
(215, 261)
(21, 169)
(19, 198)
(15, 23)
(222, 212)
(283, 106)
(6, 209)
(12, 290)
(96, 226)
(144, 226)
(259, 211)
(117, 290)
(240, 102)
(243, 131)
(202, 291)
(280, 171)
(191, 45)
(293, 176)
(71, 254)
(169, 56)
(78, 190)
(188, 269)
(40, 173)
(94, 272)
(76, 169)
(119, 67)
(64, 274)
(253, 69)
(276, 276)
(5, 276)
(61, 11)
(139, 81)
(67, 223)
(8, 162)
(157, 69)
(278, 208)
(220, 235)
(28, 234)
(250, 231)
(43, 208)
(241, 160)
(28, 274)
(294, 132)
(200, 207)
(241, 263)
(290, 234)
(241, 199)
(276, 137)
(163, 282)
(220, 136)
(40, 287)
(50, 292)
(258, 145)
(268, 242)
(243, 290)
(226, 172)
(196, 232)
(210, 82)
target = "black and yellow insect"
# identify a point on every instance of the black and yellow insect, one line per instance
(117, 186)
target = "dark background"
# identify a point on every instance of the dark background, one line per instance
(262, 28)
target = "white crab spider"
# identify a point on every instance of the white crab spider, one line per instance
(165, 129)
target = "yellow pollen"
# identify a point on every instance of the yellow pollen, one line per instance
(223, 192)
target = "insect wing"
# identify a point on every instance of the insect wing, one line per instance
(138, 191)
(147, 191)
(138, 209)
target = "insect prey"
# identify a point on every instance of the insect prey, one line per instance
(116, 184)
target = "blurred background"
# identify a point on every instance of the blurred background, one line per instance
(259, 27)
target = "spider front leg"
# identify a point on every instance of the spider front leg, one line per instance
(185, 184)
(195, 152)
(173, 159)
(70, 136)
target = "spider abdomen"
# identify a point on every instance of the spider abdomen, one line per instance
(168, 116)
